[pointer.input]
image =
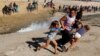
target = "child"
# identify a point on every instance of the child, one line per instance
(54, 29)
(77, 35)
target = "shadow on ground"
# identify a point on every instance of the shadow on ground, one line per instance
(35, 43)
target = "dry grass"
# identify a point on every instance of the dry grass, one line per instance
(14, 22)
(23, 18)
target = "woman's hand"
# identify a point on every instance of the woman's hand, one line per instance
(64, 27)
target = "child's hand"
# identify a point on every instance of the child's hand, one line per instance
(56, 30)
(64, 27)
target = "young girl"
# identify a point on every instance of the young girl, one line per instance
(54, 29)
(77, 35)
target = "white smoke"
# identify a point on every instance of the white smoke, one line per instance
(37, 26)
(34, 26)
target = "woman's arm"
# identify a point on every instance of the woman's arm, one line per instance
(62, 21)
(81, 24)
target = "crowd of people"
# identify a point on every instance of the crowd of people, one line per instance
(9, 9)
(13, 7)
(66, 8)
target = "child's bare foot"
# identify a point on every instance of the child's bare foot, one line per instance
(55, 53)
(37, 49)
(63, 49)
(67, 49)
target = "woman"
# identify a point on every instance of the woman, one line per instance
(66, 23)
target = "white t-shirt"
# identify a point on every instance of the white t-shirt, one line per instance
(69, 22)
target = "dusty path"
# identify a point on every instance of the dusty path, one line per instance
(17, 44)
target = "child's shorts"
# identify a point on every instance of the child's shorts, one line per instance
(77, 35)
(51, 36)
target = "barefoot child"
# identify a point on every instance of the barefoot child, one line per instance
(54, 29)
(77, 35)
